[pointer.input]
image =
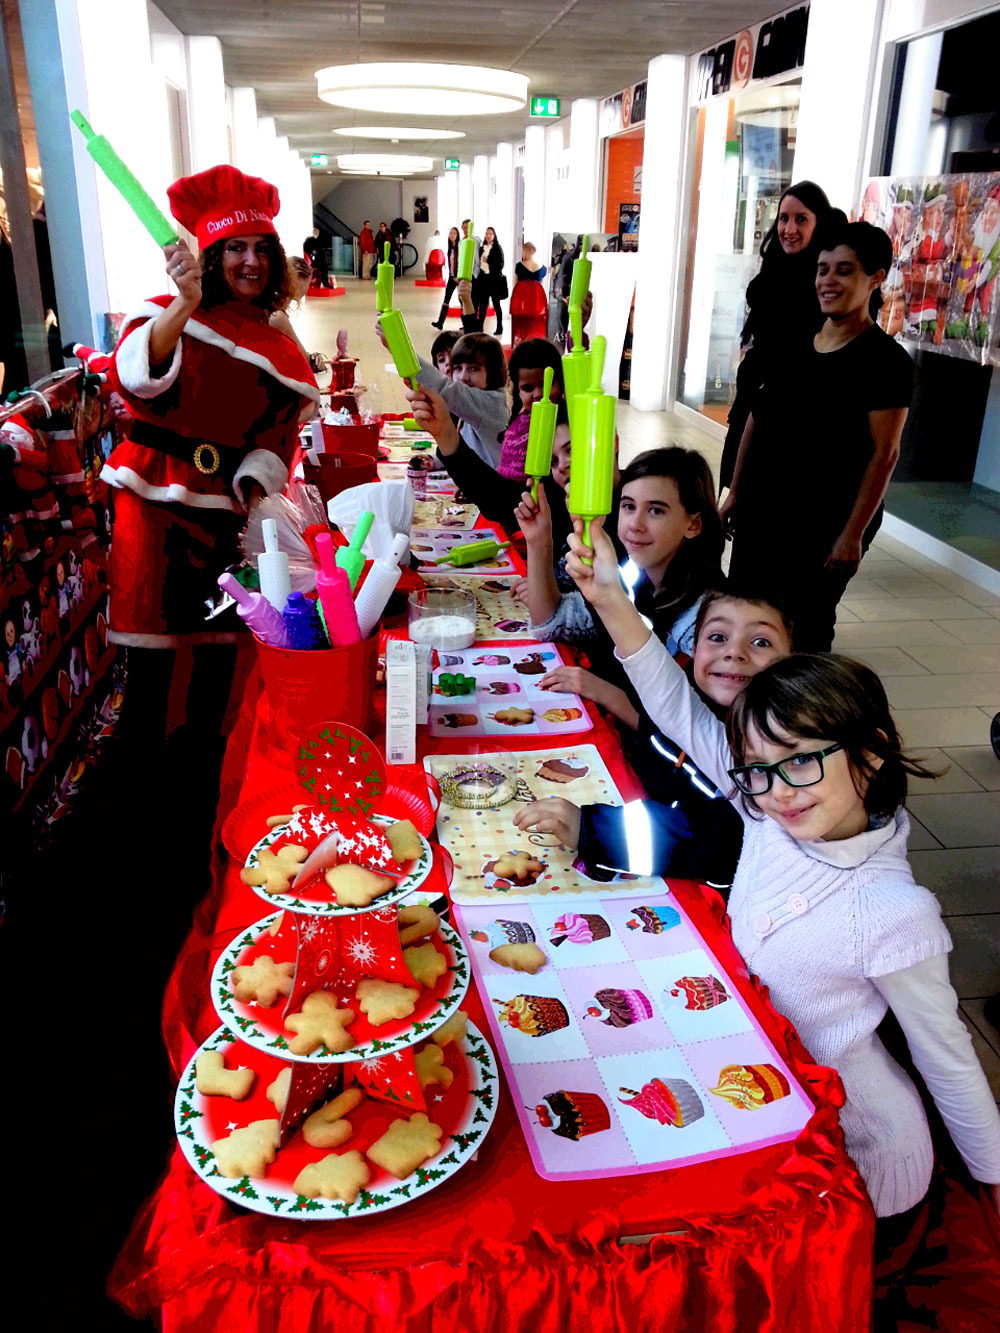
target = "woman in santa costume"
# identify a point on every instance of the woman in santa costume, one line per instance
(217, 395)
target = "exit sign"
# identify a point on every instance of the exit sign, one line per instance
(545, 106)
(451, 164)
(318, 160)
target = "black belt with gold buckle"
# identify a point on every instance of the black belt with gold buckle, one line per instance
(211, 460)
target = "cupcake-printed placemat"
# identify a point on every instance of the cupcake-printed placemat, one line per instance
(499, 614)
(483, 844)
(629, 1049)
(507, 699)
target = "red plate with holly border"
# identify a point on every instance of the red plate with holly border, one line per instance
(264, 1029)
(464, 1111)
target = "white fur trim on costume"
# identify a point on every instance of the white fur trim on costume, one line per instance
(132, 362)
(263, 466)
(123, 478)
(149, 310)
(136, 639)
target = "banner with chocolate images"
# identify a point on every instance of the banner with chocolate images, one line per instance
(941, 291)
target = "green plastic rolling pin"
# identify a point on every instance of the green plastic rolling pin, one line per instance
(384, 280)
(352, 557)
(400, 347)
(592, 451)
(541, 433)
(466, 258)
(472, 553)
(135, 195)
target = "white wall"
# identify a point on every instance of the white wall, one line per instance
(843, 52)
(420, 232)
(659, 280)
(373, 198)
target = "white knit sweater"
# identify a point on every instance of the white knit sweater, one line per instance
(833, 929)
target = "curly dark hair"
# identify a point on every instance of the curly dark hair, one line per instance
(215, 290)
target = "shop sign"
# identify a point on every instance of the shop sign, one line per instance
(765, 51)
(623, 111)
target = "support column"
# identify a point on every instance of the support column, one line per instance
(660, 260)
(841, 50)
(584, 163)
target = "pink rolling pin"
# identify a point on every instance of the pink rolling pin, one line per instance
(333, 585)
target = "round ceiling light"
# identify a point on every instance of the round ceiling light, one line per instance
(398, 132)
(384, 164)
(423, 89)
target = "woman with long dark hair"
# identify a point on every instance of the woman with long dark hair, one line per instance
(783, 309)
(452, 267)
(821, 443)
(490, 284)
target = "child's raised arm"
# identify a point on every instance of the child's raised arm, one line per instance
(536, 523)
(484, 409)
(662, 686)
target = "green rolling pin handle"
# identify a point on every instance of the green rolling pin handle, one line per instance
(576, 328)
(362, 528)
(83, 125)
(386, 250)
(598, 350)
(534, 489)
(587, 559)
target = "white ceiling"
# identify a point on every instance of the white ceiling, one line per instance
(567, 48)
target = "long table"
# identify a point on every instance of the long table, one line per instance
(774, 1238)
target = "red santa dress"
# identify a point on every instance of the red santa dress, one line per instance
(225, 409)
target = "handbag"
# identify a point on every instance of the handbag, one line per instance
(502, 289)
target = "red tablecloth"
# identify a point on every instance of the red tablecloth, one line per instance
(774, 1239)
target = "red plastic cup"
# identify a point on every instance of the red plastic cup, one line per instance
(339, 472)
(361, 438)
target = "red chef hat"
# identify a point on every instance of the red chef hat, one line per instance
(223, 202)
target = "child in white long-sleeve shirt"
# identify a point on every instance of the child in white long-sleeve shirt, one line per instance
(824, 907)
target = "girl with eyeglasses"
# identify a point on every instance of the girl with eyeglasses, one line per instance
(824, 906)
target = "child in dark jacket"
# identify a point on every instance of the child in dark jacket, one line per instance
(690, 831)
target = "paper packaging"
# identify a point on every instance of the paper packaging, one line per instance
(401, 701)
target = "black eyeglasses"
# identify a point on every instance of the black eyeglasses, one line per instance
(799, 770)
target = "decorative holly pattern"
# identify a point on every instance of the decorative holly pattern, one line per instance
(247, 1017)
(341, 769)
(460, 1146)
(416, 875)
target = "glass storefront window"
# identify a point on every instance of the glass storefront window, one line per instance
(744, 147)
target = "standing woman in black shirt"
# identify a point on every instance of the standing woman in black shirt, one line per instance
(822, 440)
(490, 284)
(783, 309)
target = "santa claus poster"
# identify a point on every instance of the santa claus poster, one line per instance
(941, 290)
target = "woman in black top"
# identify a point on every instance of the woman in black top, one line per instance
(527, 269)
(452, 267)
(822, 440)
(490, 283)
(783, 309)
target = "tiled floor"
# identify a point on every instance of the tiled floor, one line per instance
(932, 636)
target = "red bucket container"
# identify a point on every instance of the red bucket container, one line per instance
(327, 684)
(339, 472)
(356, 439)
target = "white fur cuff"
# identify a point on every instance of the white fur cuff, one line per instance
(264, 467)
(132, 364)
